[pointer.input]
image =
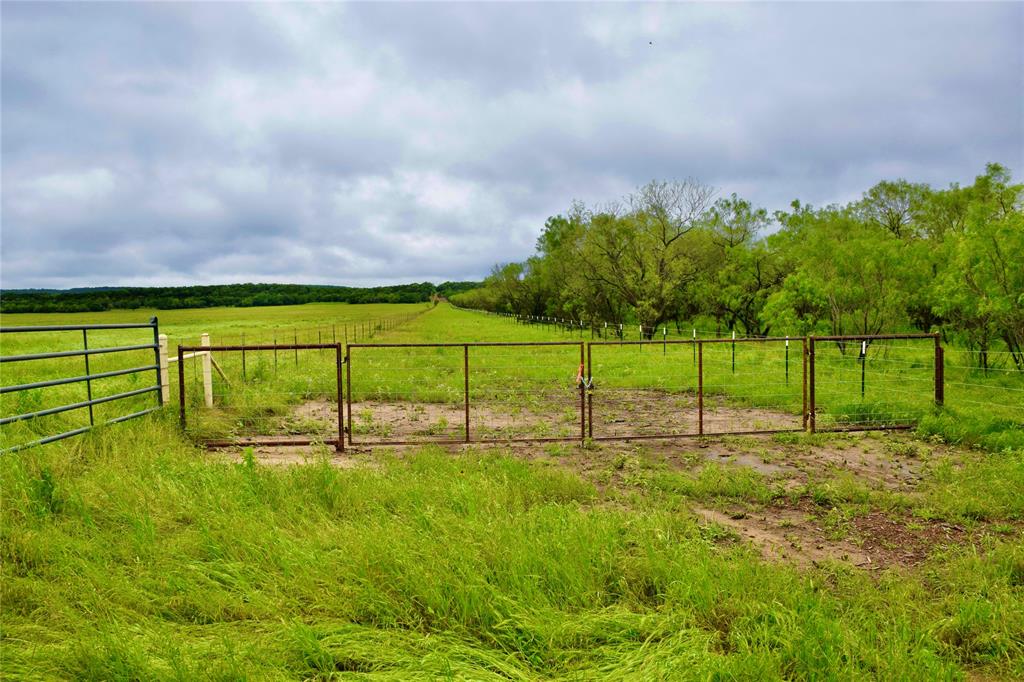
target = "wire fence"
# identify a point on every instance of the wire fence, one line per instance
(875, 382)
(400, 394)
(308, 385)
(410, 393)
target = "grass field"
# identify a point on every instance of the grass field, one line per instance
(130, 553)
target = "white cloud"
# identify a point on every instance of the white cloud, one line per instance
(220, 142)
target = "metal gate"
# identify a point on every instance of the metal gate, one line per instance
(241, 414)
(670, 389)
(449, 393)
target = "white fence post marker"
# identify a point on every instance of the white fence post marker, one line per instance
(204, 340)
(165, 381)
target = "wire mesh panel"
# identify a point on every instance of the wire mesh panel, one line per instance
(406, 393)
(642, 389)
(990, 382)
(873, 382)
(257, 400)
(525, 391)
(752, 385)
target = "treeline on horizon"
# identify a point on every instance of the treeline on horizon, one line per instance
(230, 295)
(905, 256)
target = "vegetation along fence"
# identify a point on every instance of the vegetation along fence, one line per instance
(74, 390)
(399, 394)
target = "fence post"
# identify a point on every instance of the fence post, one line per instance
(810, 384)
(88, 382)
(465, 372)
(804, 354)
(165, 385)
(583, 400)
(700, 388)
(348, 391)
(940, 373)
(204, 340)
(340, 445)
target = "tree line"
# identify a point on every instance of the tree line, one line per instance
(904, 256)
(234, 295)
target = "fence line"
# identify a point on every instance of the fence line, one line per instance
(451, 393)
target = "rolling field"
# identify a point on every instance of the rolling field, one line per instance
(131, 553)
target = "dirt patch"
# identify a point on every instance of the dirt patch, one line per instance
(902, 541)
(551, 414)
(317, 410)
(891, 460)
(636, 412)
(787, 534)
(378, 421)
(808, 534)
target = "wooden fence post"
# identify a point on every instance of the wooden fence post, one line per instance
(204, 340)
(165, 381)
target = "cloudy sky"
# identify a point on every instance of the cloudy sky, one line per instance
(170, 143)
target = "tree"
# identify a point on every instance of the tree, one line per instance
(982, 290)
(640, 256)
(849, 275)
(893, 206)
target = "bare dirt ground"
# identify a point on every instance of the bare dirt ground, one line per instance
(632, 412)
(615, 413)
(791, 527)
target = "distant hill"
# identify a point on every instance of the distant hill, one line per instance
(233, 295)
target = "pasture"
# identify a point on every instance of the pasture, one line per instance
(133, 553)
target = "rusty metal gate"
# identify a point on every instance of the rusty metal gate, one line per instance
(449, 393)
(242, 416)
(455, 393)
(681, 388)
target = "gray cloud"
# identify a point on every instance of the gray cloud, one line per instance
(376, 143)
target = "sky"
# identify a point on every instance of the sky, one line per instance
(368, 144)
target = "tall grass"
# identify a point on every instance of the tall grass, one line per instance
(155, 561)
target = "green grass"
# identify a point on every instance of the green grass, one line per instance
(154, 561)
(129, 553)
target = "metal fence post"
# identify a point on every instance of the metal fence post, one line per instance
(340, 445)
(465, 373)
(88, 383)
(940, 373)
(700, 388)
(348, 389)
(583, 399)
(810, 385)
(804, 409)
(160, 357)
